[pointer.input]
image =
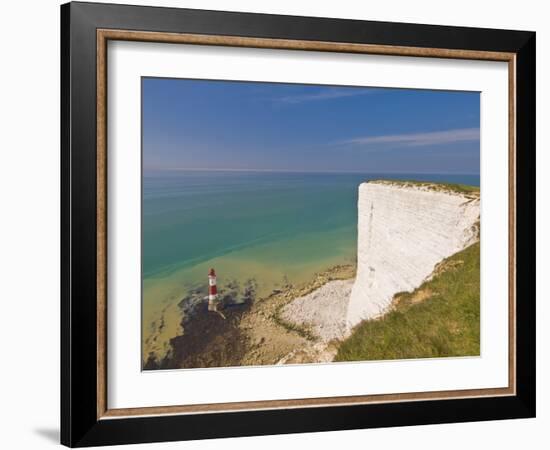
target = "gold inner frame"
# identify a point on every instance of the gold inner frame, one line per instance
(104, 35)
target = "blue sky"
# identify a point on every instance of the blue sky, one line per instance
(225, 125)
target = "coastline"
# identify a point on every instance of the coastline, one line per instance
(281, 228)
(273, 266)
(304, 323)
(258, 331)
(293, 319)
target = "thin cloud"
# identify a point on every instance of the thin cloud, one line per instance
(325, 94)
(418, 139)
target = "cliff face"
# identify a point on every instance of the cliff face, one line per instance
(404, 230)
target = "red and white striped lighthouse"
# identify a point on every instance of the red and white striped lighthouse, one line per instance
(212, 291)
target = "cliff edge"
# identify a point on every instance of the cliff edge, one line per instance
(404, 230)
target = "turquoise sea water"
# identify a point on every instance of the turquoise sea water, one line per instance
(261, 225)
(190, 217)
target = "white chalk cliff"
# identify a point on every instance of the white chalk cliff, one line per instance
(404, 230)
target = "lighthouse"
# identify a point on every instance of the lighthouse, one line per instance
(212, 291)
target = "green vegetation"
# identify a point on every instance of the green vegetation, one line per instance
(440, 318)
(442, 187)
(301, 330)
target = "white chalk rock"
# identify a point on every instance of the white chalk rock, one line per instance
(403, 232)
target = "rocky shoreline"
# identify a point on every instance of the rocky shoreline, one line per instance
(294, 324)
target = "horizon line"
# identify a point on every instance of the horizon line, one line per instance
(228, 169)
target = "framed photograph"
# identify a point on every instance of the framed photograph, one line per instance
(276, 224)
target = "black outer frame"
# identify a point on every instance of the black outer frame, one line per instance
(79, 423)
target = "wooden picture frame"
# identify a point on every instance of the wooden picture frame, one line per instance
(86, 418)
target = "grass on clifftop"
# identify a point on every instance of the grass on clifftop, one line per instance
(440, 318)
(442, 187)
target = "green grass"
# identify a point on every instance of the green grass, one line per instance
(440, 318)
(444, 187)
(301, 330)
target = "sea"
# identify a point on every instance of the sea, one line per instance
(274, 228)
